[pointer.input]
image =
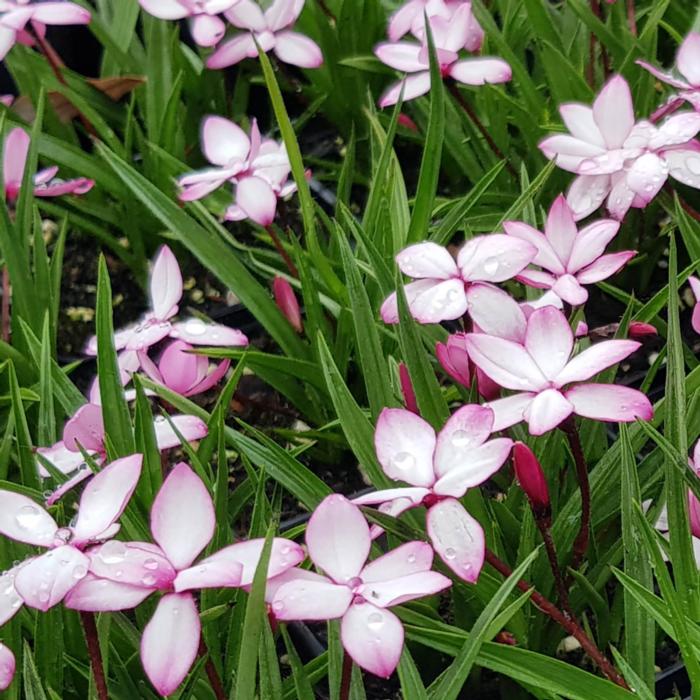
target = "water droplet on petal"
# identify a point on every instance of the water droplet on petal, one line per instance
(113, 552)
(460, 439)
(403, 461)
(150, 564)
(450, 553)
(150, 580)
(28, 517)
(375, 620)
(79, 572)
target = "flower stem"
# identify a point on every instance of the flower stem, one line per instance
(6, 293)
(283, 253)
(631, 17)
(564, 621)
(95, 653)
(326, 10)
(56, 64)
(346, 677)
(216, 685)
(582, 539)
(669, 107)
(544, 524)
(466, 107)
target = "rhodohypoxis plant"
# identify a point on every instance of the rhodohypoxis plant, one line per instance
(156, 324)
(270, 30)
(16, 14)
(451, 34)
(688, 66)
(43, 581)
(206, 26)
(258, 167)
(15, 151)
(618, 158)
(338, 540)
(441, 287)
(123, 574)
(569, 258)
(440, 469)
(551, 383)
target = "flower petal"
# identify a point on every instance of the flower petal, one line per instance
(197, 332)
(609, 402)
(591, 242)
(373, 637)
(494, 258)
(85, 427)
(207, 30)
(10, 601)
(613, 111)
(605, 266)
(495, 312)
(297, 50)
(209, 574)
(190, 427)
(15, 153)
(337, 537)
(414, 495)
(407, 587)
(233, 51)
(60, 13)
(560, 228)
(165, 9)
(182, 516)
(165, 284)
(409, 558)
(138, 564)
(405, 444)
(546, 411)
(94, 594)
(7, 667)
(170, 642)
(427, 260)
(684, 164)
(21, 519)
(567, 287)
(587, 193)
(457, 538)
(465, 430)
(688, 58)
(429, 301)
(546, 256)
(481, 71)
(595, 359)
(579, 121)
(257, 199)
(404, 56)
(509, 410)
(44, 581)
(413, 86)
(246, 14)
(549, 340)
(106, 496)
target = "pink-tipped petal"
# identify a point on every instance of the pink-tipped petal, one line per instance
(165, 284)
(591, 242)
(621, 196)
(179, 368)
(297, 50)
(405, 444)
(303, 598)
(507, 363)
(495, 312)
(337, 537)
(170, 642)
(427, 260)
(595, 359)
(44, 581)
(10, 601)
(509, 410)
(60, 13)
(94, 594)
(106, 496)
(404, 56)
(568, 289)
(165, 9)
(466, 429)
(209, 574)
(197, 332)
(15, 157)
(546, 256)
(546, 411)
(233, 51)
(7, 667)
(397, 591)
(85, 427)
(481, 71)
(246, 14)
(63, 459)
(207, 30)
(605, 266)
(684, 164)
(609, 402)
(647, 175)
(257, 199)
(133, 563)
(373, 637)
(457, 538)
(190, 427)
(413, 86)
(695, 286)
(587, 193)
(223, 142)
(413, 495)
(429, 301)
(409, 558)
(613, 111)
(579, 121)
(549, 340)
(182, 517)
(494, 258)
(560, 228)
(21, 519)
(688, 58)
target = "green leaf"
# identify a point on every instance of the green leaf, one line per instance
(47, 416)
(409, 677)
(27, 465)
(33, 688)
(302, 684)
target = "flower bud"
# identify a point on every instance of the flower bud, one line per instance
(406, 121)
(454, 358)
(531, 477)
(638, 330)
(581, 329)
(287, 302)
(7, 667)
(409, 395)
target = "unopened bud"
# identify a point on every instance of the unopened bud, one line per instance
(454, 358)
(531, 477)
(409, 395)
(287, 302)
(406, 121)
(638, 330)
(581, 329)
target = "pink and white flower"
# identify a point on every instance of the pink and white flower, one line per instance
(15, 151)
(258, 167)
(16, 14)
(338, 540)
(123, 574)
(43, 581)
(450, 35)
(442, 284)
(569, 258)
(618, 158)
(551, 384)
(687, 66)
(440, 469)
(454, 358)
(206, 26)
(270, 29)
(7, 667)
(695, 287)
(156, 324)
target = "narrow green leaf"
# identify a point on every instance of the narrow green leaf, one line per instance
(47, 416)
(27, 465)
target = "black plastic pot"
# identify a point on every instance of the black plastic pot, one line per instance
(673, 682)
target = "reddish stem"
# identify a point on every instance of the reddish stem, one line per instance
(466, 107)
(564, 621)
(544, 522)
(6, 292)
(693, 213)
(326, 10)
(216, 685)
(95, 653)
(669, 107)
(283, 253)
(632, 17)
(346, 677)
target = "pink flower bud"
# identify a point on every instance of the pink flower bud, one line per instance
(530, 476)
(454, 358)
(409, 395)
(406, 121)
(581, 329)
(638, 330)
(287, 302)
(7, 667)
(694, 511)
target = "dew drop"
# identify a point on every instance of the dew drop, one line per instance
(460, 438)
(79, 572)
(28, 517)
(113, 552)
(411, 558)
(375, 620)
(195, 327)
(450, 553)
(150, 580)
(44, 597)
(491, 266)
(150, 564)
(403, 461)
(278, 605)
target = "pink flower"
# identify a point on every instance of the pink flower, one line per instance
(570, 258)
(618, 158)
(123, 574)
(155, 325)
(450, 35)
(258, 167)
(695, 287)
(42, 582)
(15, 14)
(549, 381)
(206, 27)
(181, 371)
(86, 429)
(454, 358)
(410, 17)
(7, 667)
(693, 503)
(688, 66)
(531, 477)
(440, 469)
(287, 302)
(15, 152)
(441, 287)
(338, 540)
(270, 29)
